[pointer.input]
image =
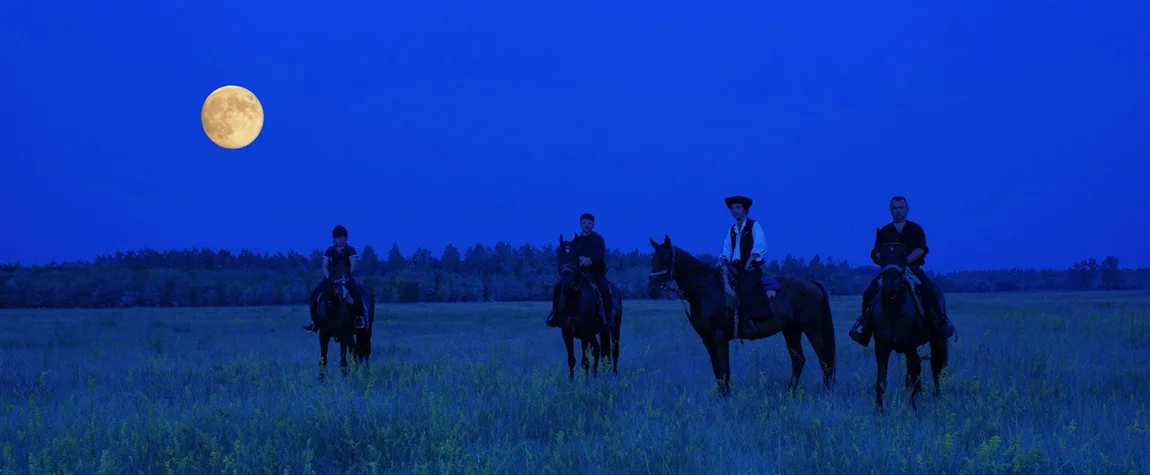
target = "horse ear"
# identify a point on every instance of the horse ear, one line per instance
(654, 244)
(560, 237)
(666, 240)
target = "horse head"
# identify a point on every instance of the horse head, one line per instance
(339, 307)
(892, 263)
(664, 266)
(567, 262)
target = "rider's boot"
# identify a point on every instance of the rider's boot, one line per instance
(861, 331)
(311, 326)
(942, 325)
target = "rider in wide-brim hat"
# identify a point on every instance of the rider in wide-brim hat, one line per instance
(737, 199)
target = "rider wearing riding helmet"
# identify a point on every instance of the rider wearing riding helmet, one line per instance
(339, 262)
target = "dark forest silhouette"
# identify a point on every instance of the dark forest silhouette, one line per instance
(203, 277)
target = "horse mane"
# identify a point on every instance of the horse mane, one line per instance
(690, 262)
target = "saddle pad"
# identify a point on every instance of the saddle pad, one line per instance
(769, 283)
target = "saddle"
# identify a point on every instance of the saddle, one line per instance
(768, 303)
(590, 282)
(911, 283)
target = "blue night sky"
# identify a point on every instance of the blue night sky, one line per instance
(1018, 133)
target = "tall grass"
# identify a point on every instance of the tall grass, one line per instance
(1041, 383)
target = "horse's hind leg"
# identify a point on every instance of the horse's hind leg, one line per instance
(597, 353)
(939, 354)
(583, 357)
(343, 356)
(794, 338)
(615, 349)
(826, 355)
(913, 376)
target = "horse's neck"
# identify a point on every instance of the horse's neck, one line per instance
(694, 276)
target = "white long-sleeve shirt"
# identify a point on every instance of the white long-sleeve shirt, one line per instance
(758, 246)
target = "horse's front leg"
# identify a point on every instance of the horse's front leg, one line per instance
(324, 339)
(569, 342)
(882, 357)
(913, 376)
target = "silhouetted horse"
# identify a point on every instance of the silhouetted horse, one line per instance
(899, 323)
(578, 305)
(336, 320)
(800, 306)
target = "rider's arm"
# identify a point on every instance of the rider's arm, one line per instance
(874, 249)
(596, 250)
(725, 256)
(759, 242)
(326, 267)
(916, 240)
(353, 259)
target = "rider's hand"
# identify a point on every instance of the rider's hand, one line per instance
(584, 261)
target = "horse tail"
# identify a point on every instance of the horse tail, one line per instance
(828, 327)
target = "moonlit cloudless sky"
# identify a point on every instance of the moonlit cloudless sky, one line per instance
(1020, 132)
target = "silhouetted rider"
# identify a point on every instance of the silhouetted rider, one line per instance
(339, 262)
(913, 237)
(591, 251)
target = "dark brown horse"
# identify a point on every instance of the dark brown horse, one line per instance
(577, 305)
(899, 323)
(801, 306)
(336, 321)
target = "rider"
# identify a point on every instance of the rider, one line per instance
(339, 260)
(743, 249)
(913, 237)
(592, 252)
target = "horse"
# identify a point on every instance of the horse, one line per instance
(336, 321)
(800, 306)
(899, 324)
(577, 305)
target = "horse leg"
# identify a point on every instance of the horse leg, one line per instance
(723, 351)
(596, 352)
(605, 349)
(939, 354)
(343, 344)
(583, 358)
(324, 339)
(713, 354)
(882, 357)
(826, 357)
(615, 348)
(569, 342)
(914, 376)
(794, 338)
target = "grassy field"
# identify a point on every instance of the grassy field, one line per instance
(1041, 383)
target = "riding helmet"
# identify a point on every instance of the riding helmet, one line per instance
(339, 231)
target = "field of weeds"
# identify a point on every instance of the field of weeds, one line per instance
(1040, 383)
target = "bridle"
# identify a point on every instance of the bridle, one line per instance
(670, 277)
(895, 268)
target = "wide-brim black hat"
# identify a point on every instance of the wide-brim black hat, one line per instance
(743, 200)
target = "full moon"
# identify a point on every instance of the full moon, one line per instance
(232, 117)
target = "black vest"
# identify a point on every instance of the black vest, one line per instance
(744, 242)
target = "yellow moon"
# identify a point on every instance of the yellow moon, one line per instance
(232, 117)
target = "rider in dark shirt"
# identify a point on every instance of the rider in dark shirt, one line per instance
(339, 261)
(913, 238)
(591, 250)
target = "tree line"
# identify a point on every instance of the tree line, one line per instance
(480, 273)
